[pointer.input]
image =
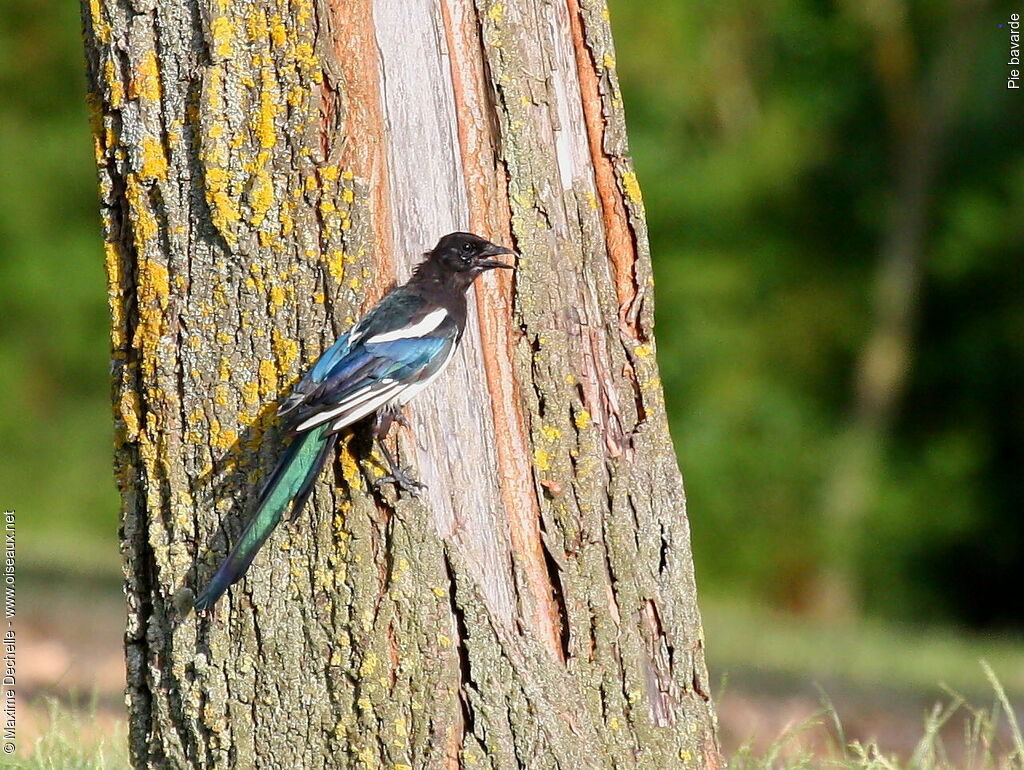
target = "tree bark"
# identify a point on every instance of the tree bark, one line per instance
(267, 169)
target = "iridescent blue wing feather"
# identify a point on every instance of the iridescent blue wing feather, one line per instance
(367, 368)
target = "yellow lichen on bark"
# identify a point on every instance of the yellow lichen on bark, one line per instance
(145, 84)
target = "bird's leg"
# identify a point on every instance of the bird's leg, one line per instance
(397, 475)
(398, 416)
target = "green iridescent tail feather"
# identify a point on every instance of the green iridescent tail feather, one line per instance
(289, 485)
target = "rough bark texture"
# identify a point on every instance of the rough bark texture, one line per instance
(267, 169)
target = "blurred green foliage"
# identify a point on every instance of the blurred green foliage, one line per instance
(767, 158)
(55, 424)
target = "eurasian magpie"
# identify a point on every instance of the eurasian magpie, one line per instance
(398, 348)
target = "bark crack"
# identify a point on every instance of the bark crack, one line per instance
(465, 684)
(557, 595)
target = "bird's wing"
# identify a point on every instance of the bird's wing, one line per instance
(310, 382)
(336, 356)
(396, 346)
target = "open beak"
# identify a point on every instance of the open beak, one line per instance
(493, 250)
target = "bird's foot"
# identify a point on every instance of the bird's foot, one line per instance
(403, 480)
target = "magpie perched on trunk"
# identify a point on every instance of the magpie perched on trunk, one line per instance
(398, 348)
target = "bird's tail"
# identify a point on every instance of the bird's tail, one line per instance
(289, 485)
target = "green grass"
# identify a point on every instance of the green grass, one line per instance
(742, 637)
(984, 746)
(70, 744)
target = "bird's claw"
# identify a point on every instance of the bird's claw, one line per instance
(403, 481)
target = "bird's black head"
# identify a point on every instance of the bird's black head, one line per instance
(467, 255)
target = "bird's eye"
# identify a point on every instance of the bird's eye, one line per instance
(466, 248)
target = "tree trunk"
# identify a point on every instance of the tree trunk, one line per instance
(267, 169)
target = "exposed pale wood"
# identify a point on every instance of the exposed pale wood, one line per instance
(429, 199)
(489, 211)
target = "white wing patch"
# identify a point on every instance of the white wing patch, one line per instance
(373, 396)
(360, 411)
(356, 406)
(430, 322)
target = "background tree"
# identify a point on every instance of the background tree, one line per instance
(792, 181)
(919, 108)
(266, 170)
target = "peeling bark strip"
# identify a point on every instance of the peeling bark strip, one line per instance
(618, 239)
(267, 167)
(352, 108)
(489, 212)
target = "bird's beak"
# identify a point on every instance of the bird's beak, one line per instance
(493, 250)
